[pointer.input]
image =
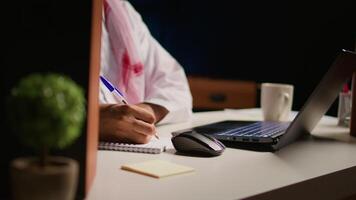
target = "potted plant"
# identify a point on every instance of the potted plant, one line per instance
(47, 112)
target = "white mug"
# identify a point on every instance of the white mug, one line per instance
(276, 101)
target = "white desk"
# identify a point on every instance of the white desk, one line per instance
(308, 169)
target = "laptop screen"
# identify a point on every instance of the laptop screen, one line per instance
(322, 97)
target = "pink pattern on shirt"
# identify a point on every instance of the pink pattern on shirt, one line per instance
(124, 49)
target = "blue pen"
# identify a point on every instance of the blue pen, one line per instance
(119, 96)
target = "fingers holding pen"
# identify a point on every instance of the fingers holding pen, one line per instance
(127, 123)
(143, 128)
(143, 121)
(139, 113)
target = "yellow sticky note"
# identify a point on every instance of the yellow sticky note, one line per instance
(157, 168)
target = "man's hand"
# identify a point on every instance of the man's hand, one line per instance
(126, 123)
(158, 111)
(129, 123)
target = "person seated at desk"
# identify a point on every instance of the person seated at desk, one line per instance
(153, 82)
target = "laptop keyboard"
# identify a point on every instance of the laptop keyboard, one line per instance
(258, 129)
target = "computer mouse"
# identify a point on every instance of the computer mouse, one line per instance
(194, 143)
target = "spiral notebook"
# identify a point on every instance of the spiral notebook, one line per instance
(153, 147)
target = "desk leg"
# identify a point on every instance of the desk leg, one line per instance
(353, 107)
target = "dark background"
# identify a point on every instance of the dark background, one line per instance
(42, 36)
(289, 42)
(264, 41)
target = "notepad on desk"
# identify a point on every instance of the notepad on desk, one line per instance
(153, 147)
(157, 168)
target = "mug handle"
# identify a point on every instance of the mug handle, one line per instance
(285, 97)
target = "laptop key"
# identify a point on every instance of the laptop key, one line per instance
(258, 129)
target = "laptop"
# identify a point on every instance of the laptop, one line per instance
(275, 135)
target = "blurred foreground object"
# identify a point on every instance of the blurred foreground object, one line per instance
(47, 112)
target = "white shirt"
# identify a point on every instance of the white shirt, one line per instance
(164, 82)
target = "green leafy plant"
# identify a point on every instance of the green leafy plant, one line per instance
(47, 111)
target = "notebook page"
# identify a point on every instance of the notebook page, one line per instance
(154, 147)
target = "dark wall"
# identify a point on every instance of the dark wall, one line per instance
(40, 36)
(285, 41)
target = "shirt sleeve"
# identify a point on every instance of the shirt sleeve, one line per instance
(165, 80)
